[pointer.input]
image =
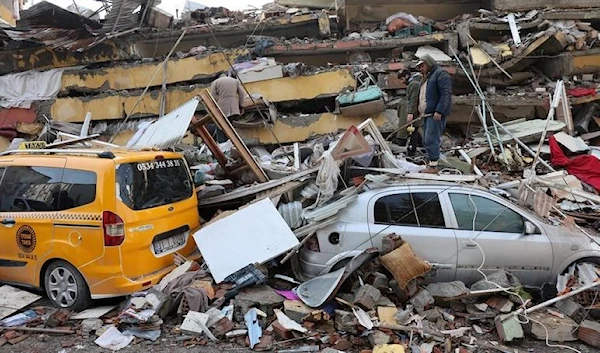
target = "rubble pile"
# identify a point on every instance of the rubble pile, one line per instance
(319, 232)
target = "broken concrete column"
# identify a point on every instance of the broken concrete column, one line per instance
(346, 321)
(367, 297)
(559, 329)
(571, 308)
(261, 297)
(589, 332)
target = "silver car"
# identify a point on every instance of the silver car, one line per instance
(451, 226)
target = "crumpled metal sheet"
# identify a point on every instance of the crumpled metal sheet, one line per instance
(121, 15)
(167, 131)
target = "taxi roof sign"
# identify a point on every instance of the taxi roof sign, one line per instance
(33, 145)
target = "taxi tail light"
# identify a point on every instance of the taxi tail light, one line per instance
(114, 229)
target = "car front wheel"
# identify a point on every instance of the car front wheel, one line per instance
(66, 287)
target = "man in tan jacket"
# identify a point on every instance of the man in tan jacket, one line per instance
(229, 95)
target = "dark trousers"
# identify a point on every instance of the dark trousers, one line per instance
(432, 133)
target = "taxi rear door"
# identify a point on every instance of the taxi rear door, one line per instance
(27, 213)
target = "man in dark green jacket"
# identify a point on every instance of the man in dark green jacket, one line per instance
(408, 106)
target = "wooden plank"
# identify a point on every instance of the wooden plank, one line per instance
(219, 118)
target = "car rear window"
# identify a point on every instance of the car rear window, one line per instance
(144, 185)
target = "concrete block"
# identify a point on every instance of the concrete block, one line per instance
(261, 297)
(379, 280)
(377, 338)
(346, 321)
(589, 332)
(422, 301)
(447, 290)
(367, 297)
(559, 329)
(508, 328)
(296, 310)
(194, 323)
(572, 309)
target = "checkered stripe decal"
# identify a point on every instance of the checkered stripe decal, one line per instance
(51, 215)
(79, 217)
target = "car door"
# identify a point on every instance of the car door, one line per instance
(420, 217)
(486, 221)
(27, 211)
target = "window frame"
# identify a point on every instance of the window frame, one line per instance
(61, 182)
(490, 198)
(411, 190)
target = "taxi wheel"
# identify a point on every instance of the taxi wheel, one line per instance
(66, 287)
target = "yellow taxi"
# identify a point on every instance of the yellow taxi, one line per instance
(92, 224)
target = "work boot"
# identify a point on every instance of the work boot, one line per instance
(430, 170)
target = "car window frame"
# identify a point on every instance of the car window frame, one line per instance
(62, 169)
(523, 213)
(412, 189)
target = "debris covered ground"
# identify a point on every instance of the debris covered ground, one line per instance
(317, 135)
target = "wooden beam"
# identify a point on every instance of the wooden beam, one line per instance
(221, 120)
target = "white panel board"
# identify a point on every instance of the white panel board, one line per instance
(13, 300)
(252, 235)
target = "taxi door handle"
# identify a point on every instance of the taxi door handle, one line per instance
(8, 222)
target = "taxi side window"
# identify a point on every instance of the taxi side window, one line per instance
(45, 189)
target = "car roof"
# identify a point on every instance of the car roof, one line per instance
(375, 188)
(117, 155)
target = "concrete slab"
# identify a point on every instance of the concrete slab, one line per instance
(519, 5)
(110, 107)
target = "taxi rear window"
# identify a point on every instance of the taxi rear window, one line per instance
(144, 185)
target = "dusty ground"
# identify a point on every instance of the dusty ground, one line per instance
(41, 343)
(37, 344)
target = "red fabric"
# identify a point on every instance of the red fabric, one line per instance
(581, 92)
(586, 167)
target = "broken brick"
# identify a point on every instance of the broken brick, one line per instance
(281, 331)
(9, 335)
(343, 344)
(58, 318)
(221, 327)
(589, 332)
(18, 339)
(67, 344)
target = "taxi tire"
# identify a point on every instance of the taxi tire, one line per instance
(83, 300)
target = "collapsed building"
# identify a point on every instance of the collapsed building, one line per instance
(103, 68)
(521, 72)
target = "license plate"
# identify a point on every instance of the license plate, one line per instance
(169, 244)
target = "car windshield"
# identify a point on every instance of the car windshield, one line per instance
(151, 184)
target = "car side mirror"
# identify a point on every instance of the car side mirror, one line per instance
(530, 228)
